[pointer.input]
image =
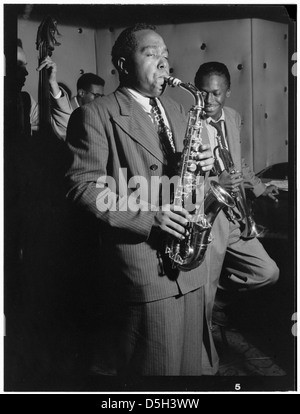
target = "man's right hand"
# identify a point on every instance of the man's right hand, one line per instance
(172, 221)
(230, 182)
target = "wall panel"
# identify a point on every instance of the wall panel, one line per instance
(259, 93)
(193, 44)
(270, 94)
(105, 39)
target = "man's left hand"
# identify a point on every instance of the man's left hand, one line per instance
(205, 158)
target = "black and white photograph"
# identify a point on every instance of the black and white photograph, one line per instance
(149, 202)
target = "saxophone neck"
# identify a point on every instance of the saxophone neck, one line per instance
(189, 87)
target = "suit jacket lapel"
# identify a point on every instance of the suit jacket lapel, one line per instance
(233, 140)
(137, 124)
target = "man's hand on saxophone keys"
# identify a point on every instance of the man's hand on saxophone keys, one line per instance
(204, 158)
(172, 220)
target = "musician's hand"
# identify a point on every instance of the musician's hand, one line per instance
(230, 182)
(52, 71)
(172, 221)
(271, 191)
(205, 158)
(49, 64)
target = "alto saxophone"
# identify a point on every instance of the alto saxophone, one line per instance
(189, 253)
(250, 228)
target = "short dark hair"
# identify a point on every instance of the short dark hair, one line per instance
(88, 79)
(126, 42)
(212, 68)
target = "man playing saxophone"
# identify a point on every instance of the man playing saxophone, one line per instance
(160, 326)
(246, 263)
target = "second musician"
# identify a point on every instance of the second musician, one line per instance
(245, 262)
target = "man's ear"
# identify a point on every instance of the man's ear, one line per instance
(122, 64)
(81, 92)
(228, 93)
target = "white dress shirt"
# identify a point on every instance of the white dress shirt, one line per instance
(144, 101)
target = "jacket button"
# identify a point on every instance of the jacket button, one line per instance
(153, 167)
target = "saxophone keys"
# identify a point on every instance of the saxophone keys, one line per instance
(192, 166)
(194, 151)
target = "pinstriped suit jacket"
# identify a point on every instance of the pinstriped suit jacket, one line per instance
(114, 133)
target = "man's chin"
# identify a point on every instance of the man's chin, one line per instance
(210, 114)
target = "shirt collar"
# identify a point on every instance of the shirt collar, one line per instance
(141, 99)
(144, 101)
(222, 118)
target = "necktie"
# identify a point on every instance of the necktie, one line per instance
(163, 130)
(218, 127)
(221, 141)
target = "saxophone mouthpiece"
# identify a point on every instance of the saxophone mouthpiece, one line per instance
(172, 81)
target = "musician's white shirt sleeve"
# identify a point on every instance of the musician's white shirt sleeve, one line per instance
(58, 95)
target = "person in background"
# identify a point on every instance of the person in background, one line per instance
(25, 150)
(34, 245)
(157, 313)
(27, 107)
(246, 264)
(89, 87)
(66, 89)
